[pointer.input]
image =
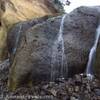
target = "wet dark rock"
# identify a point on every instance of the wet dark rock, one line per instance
(78, 80)
(77, 89)
(97, 91)
(33, 57)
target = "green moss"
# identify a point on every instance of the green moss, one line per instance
(17, 80)
(12, 81)
(3, 44)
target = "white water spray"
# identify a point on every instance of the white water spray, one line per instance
(58, 55)
(92, 54)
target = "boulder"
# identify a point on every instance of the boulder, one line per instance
(32, 62)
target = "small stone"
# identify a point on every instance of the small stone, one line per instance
(78, 78)
(86, 91)
(88, 87)
(97, 92)
(73, 98)
(77, 88)
(53, 92)
(70, 89)
(42, 93)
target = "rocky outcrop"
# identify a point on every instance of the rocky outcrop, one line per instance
(32, 62)
(14, 11)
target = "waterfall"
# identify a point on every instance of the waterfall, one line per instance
(17, 40)
(58, 55)
(89, 70)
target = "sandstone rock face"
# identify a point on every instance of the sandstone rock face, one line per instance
(14, 11)
(22, 10)
(3, 34)
(34, 53)
(3, 46)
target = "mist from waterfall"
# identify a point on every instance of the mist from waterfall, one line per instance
(58, 65)
(89, 70)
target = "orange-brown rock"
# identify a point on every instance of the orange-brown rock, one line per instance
(21, 10)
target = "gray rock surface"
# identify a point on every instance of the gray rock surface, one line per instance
(32, 61)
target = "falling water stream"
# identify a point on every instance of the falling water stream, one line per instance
(58, 55)
(89, 70)
(17, 39)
